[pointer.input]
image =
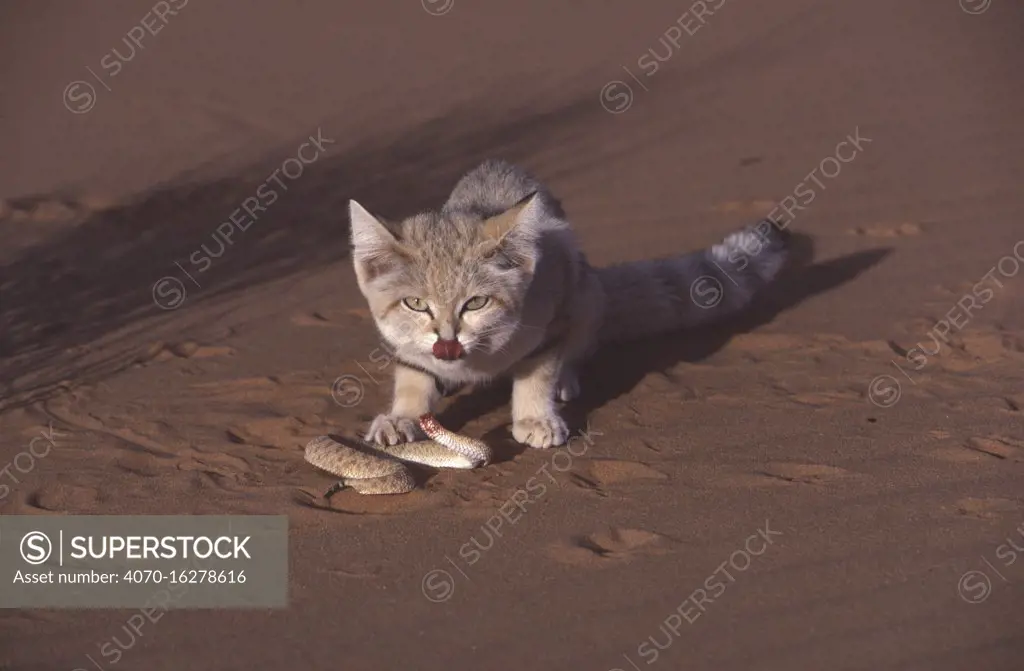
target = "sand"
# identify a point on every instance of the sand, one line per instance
(803, 488)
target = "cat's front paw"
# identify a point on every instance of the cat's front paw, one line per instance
(393, 429)
(540, 432)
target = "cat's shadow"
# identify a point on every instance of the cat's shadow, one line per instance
(615, 371)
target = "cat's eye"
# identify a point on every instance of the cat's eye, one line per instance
(416, 304)
(475, 303)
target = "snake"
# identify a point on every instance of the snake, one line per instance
(381, 469)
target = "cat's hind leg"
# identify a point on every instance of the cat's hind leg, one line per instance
(568, 387)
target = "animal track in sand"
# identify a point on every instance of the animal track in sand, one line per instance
(63, 498)
(478, 503)
(318, 318)
(300, 394)
(1000, 447)
(248, 389)
(162, 351)
(275, 432)
(615, 471)
(128, 438)
(226, 467)
(975, 348)
(785, 473)
(827, 398)
(811, 474)
(888, 230)
(987, 508)
(747, 480)
(151, 449)
(144, 465)
(586, 483)
(957, 454)
(240, 385)
(331, 318)
(612, 546)
(962, 352)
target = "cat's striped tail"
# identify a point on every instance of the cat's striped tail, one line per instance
(656, 296)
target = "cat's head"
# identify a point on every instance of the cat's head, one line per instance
(446, 285)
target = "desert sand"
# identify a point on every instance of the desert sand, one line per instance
(852, 494)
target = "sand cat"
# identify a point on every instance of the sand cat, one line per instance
(494, 285)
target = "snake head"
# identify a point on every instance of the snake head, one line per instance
(430, 425)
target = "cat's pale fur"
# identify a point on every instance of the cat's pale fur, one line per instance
(503, 236)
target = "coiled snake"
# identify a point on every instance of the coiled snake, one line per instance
(381, 469)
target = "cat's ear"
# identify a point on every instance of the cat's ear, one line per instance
(521, 220)
(376, 249)
(510, 237)
(368, 232)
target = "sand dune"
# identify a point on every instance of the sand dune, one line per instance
(862, 427)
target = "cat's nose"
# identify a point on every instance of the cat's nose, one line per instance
(449, 350)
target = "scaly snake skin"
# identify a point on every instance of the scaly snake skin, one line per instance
(379, 469)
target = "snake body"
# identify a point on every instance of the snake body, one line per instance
(381, 469)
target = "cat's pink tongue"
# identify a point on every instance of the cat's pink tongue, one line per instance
(448, 350)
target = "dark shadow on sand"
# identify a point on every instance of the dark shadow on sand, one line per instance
(63, 295)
